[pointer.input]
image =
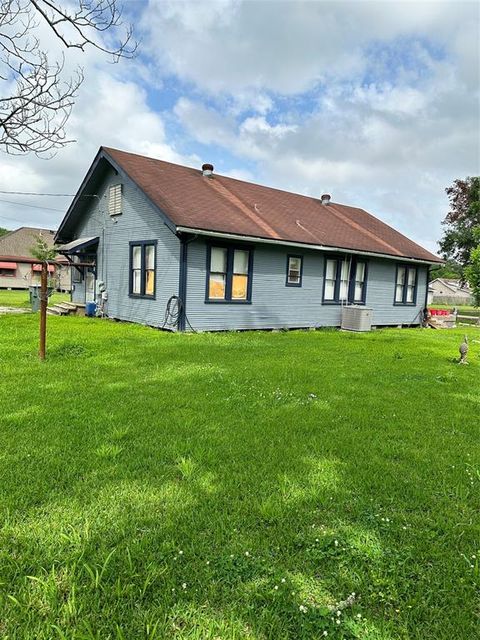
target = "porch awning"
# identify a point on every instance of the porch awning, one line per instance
(8, 265)
(38, 267)
(77, 246)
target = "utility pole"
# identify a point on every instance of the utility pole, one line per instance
(43, 310)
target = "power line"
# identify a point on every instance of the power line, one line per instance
(33, 193)
(32, 206)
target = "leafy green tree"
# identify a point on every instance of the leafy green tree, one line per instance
(464, 216)
(3, 231)
(42, 251)
(472, 270)
(451, 270)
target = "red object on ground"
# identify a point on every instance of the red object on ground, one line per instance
(440, 312)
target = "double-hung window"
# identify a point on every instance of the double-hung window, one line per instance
(229, 274)
(406, 285)
(294, 271)
(345, 281)
(142, 268)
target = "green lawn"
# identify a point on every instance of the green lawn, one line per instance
(20, 298)
(237, 486)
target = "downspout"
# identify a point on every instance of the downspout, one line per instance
(182, 279)
(425, 308)
(426, 288)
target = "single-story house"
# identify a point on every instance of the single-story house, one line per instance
(19, 269)
(448, 291)
(171, 246)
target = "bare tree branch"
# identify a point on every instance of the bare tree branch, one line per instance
(37, 99)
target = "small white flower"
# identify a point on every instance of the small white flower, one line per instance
(231, 555)
(302, 608)
(276, 587)
(184, 585)
(316, 540)
(208, 561)
(359, 615)
(336, 543)
(174, 557)
(247, 553)
(180, 552)
(283, 580)
(325, 633)
(338, 621)
(339, 613)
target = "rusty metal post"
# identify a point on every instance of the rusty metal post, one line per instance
(43, 311)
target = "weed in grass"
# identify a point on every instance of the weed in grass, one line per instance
(186, 468)
(67, 349)
(108, 451)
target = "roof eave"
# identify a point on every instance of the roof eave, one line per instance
(304, 245)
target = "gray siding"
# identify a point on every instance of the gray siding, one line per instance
(275, 305)
(139, 221)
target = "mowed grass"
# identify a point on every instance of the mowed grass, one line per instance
(21, 298)
(237, 486)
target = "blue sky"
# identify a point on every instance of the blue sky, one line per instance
(373, 102)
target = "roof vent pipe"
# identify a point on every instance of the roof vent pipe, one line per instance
(326, 198)
(207, 170)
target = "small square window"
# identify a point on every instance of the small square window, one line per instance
(294, 271)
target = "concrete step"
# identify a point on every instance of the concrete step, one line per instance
(59, 310)
(71, 305)
(51, 311)
(65, 306)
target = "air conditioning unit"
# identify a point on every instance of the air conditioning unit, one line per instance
(356, 318)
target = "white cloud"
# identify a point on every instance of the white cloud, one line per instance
(376, 103)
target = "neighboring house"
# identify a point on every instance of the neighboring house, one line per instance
(236, 255)
(447, 291)
(19, 269)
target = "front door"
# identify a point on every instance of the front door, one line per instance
(89, 286)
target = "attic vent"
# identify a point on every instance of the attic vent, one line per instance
(207, 170)
(326, 198)
(115, 200)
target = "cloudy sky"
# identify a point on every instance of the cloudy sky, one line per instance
(376, 103)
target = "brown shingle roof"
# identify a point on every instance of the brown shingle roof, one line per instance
(233, 206)
(19, 243)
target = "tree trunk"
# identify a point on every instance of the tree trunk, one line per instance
(43, 310)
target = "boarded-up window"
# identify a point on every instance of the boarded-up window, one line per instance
(142, 268)
(115, 200)
(229, 274)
